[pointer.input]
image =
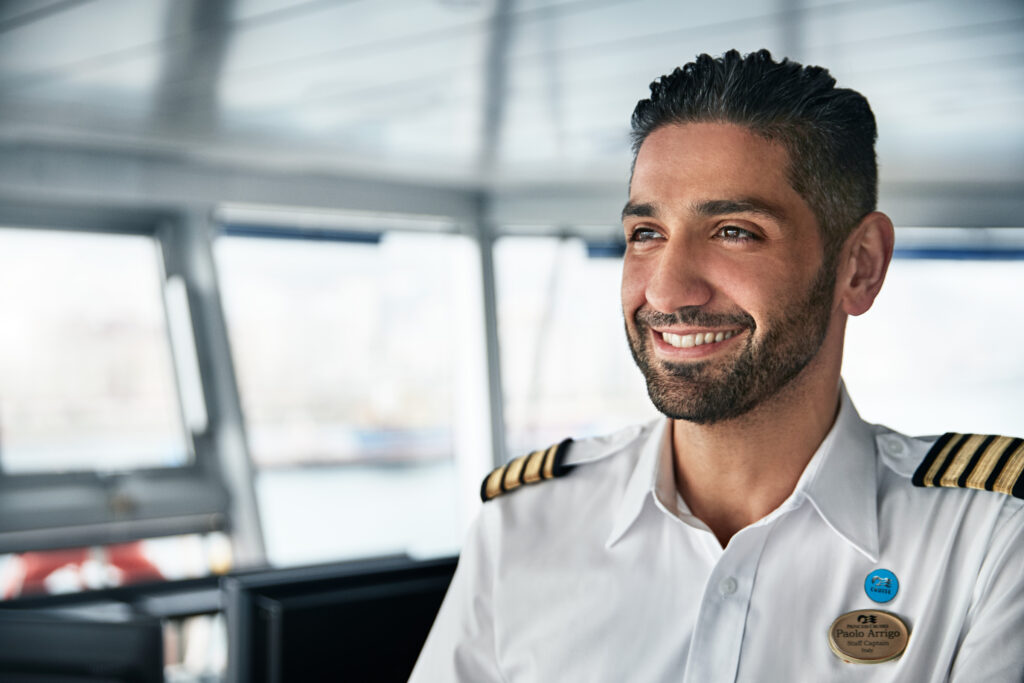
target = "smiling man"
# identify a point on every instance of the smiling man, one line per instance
(761, 531)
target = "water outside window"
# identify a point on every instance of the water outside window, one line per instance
(348, 357)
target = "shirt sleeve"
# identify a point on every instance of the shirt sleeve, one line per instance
(990, 649)
(461, 646)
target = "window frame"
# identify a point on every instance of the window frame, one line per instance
(45, 511)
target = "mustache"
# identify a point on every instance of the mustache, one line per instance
(694, 316)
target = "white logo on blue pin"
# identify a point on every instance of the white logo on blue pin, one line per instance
(881, 585)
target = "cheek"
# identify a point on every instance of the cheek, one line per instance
(755, 287)
(633, 287)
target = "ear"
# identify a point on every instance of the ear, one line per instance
(864, 262)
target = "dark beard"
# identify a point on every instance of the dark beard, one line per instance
(706, 392)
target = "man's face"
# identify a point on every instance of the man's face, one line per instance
(723, 289)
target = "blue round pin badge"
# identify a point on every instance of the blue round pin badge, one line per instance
(881, 585)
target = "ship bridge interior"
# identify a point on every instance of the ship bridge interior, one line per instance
(282, 280)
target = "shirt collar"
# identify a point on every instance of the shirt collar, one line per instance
(641, 482)
(839, 481)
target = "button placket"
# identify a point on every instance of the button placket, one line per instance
(717, 640)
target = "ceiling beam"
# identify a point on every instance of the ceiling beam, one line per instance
(495, 89)
(44, 175)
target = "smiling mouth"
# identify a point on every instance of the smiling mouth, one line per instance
(686, 341)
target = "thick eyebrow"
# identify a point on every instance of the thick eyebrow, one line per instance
(711, 208)
(719, 207)
(641, 210)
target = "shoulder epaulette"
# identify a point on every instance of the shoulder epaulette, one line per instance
(974, 461)
(526, 469)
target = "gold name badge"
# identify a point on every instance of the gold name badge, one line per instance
(868, 636)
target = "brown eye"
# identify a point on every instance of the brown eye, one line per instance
(642, 234)
(732, 233)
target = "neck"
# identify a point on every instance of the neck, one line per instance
(735, 472)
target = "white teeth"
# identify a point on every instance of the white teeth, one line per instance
(686, 341)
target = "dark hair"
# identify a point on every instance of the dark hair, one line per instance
(828, 132)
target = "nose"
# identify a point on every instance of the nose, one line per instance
(677, 279)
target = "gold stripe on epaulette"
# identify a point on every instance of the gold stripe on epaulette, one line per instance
(940, 459)
(1008, 480)
(960, 459)
(983, 470)
(532, 473)
(549, 462)
(492, 485)
(976, 461)
(513, 472)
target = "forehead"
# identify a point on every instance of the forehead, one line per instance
(710, 161)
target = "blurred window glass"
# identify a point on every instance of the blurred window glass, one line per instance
(566, 366)
(347, 354)
(86, 374)
(940, 350)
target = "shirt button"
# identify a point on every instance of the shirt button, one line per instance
(893, 445)
(728, 586)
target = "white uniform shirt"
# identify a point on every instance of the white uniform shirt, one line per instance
(603, 575)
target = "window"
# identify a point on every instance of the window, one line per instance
(941, 348)
(348, 350)
(566, 366)
(86, 377)
(96, 447)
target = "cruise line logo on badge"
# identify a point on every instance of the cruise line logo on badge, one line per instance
(881, 585)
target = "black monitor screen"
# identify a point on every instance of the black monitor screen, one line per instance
(361, 621)
(47, 646)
